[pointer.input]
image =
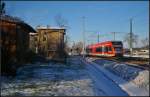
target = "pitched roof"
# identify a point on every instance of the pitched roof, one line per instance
(14, 20)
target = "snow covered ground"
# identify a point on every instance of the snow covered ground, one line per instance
(139, 78)
(103, 84)
(53, 79)
(141, 56)
(76, 78)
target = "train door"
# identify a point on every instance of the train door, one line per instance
(103, 50)
(110, 50)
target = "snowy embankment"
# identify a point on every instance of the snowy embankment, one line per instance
(103, 84)
(133, 80)
(137, 56)
(52, 79)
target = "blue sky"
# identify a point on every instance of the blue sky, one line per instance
(101, 16)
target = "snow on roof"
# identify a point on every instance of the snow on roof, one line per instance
(49, 27)
(31, 33)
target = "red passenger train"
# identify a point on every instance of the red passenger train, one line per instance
(107, 49)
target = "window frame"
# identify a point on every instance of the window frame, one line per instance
(99, 49)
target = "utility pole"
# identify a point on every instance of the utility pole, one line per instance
(131, 37)
(98, 37)
(114, 35)
(83, 36)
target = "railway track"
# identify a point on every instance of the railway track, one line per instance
(142, 63)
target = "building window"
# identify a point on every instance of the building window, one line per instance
(35, 39)
(44, 38)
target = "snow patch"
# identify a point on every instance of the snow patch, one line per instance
(52, 79)
(136, 80)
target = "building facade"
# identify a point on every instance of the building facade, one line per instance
(51, 42)
(14, 42)
(33, 37)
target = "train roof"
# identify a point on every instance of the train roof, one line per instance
(103, 43)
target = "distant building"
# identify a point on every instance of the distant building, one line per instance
(138, 51)
(51, 42)
(141, 51)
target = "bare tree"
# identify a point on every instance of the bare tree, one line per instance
(61, 21)
(2, 8)
(77, 47)
(145, 42)
(133, 40)
(67, 46)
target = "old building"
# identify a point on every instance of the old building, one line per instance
(51, 42)
(14, 42)
(33, 37)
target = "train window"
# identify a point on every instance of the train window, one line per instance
(105, 49)
(117, 43)
(118, 49)
(99, 49)
(109, 48)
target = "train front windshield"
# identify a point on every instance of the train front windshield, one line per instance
(118, 46)
(118, 49)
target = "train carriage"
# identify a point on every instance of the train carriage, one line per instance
(107, 49)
